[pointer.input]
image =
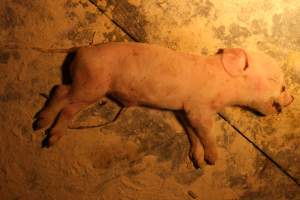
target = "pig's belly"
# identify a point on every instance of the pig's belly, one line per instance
(159, 97)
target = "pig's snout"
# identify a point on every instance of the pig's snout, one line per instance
(286, 99)
(283, 101)
(290, 100)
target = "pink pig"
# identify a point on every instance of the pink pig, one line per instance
(149, 75)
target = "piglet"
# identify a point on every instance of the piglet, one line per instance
(138, 74)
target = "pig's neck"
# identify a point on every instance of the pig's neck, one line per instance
(233, 90)
(238, 93)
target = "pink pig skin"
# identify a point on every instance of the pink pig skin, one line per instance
(143, 74)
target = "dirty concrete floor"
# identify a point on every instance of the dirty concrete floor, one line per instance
(143, 154)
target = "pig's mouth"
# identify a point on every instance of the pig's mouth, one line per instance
(266, 108)
(253, 110)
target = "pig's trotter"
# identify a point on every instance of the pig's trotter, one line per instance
(210, 155)
(196, 150)
(40, 123)
(196, 156)
(58, 99)
(51, 139)
(54, 137)
(202, 122)
(64, 121)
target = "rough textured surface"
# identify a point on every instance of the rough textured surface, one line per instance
(143, 154)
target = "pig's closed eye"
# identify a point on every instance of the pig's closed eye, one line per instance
(283, 89)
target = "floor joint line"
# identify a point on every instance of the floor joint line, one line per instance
(260, 150)
(114, 21)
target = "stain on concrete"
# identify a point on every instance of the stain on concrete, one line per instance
(4, 57)
(130, 18)
(80, 35)
(97, 114)
(295, 78)
(261, 166)
(70, 4)
(91, 17)
(115, 36)
(236, 31)
(234, 34)
(237, 35)
(187, 178)
(219, 32)
(259, 27)
(32, 178)
(71, 15)
(29, 4)
(84, 4)
(237, 180)
(233, 171)
(147, 130)
(203, 8)
(10, 19)
(135, 123)
(250, 195)
(33, 8)
(70, 11)
(115, 155)
(225, 140)
(16, 55)
(10, 93)
(285, 31)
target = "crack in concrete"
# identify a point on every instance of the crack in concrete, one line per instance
(114, 21)
(285, 172)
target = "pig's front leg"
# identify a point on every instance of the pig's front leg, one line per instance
(202, 122)
(196, 149)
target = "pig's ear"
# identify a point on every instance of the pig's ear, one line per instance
(234, 61)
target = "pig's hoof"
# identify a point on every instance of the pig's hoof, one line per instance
(196, 157)
(39, 123)
(210, 156)
(50, 140)
(36, 124)
(45, 142)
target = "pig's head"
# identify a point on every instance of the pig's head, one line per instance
(258, 80)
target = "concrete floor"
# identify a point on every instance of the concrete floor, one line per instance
(143, 155)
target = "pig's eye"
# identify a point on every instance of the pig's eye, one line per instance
(283, 89)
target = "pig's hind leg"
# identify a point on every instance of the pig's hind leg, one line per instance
(57, 100)
(63, 122)
(79, 98)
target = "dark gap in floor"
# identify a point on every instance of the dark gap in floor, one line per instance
(114, 22)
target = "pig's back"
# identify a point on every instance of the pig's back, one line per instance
(151, 75)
